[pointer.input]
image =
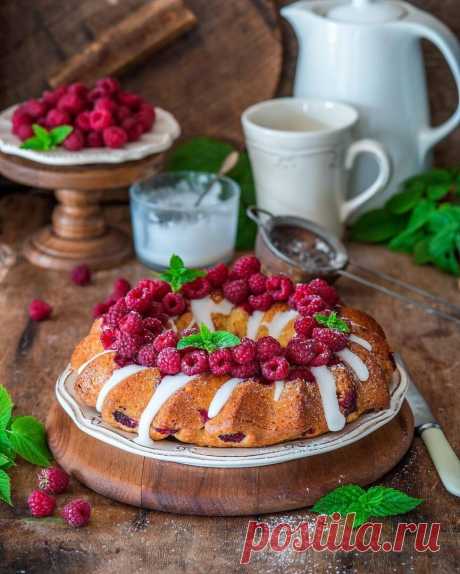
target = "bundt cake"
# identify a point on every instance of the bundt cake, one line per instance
(231, 358)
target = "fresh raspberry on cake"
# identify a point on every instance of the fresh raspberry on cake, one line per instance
(132, 323)
(311, 304)
(217, 275)
(169, 361)
(156, 287)
(246, 266)
(245, 352)
(335, 340)
(99, 309)
(147, 356)
(138, 299)
(195, 362)
(74, 141)
(152, 325)
(41, 504)
(323, 355)
(81, 275)
(108, 338)
(304, 326)
(302, 373)
(39, 310)
(275, 369)
(173, 304)
(121, 287)
(300, 351)
(324, 290)
(115, 313)
(53, 480)
(221, 362)
(245, 371)
(236, 291)
(128, 344)
(268, 347)
(165, 339)
(77, 513)
(280, 287)
(258, 283)
(261, 302)
(56, 118)
(197, 289)
(114, 137)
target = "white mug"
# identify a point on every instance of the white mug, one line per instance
(301, 152)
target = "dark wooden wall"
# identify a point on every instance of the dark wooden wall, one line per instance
(36, 35)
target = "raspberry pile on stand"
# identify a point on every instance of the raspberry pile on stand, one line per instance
(101, 116)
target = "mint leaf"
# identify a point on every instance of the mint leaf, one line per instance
(189, 275)
(6, 407)
(178, 275)
(404, 201)
(41, 133)
(332, 321)
(209, 340)
(5, 462)
(5, 445)
(176, 262)
(223, 339)
(59, 134)
(339, 500)
(376, 226)
(33, 143)
(27, 437)
(360, 511)
(422, 252)
(190, 341)
(5, 488)
(383, 501)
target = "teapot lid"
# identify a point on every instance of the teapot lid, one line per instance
(367, 11)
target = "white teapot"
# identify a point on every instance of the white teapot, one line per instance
(367, 53)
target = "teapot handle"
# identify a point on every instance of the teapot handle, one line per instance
(422, 25)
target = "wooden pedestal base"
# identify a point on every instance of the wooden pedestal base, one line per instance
(183, 489)
(79, 232)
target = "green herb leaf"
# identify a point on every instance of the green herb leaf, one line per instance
(376, 226)
(209, 340)
(6, 407)
(332, 321)
(5, 462)
(45, 140)
(358, 508)
(422, 252)
(28, 438)
(33, 143)
(225, 339)
(5, 488)
(404, 201)
(339, 500)
(6, 447)
(42, 134)
(59, 134)
(190, 341)
(383, 501)
(178, 275)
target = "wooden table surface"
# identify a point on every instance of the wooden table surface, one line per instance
(127, 540)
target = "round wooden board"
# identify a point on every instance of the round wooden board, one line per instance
(183, 489)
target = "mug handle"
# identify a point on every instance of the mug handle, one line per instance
(375, 148)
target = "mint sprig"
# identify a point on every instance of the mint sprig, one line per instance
(45, 140)
(22, 435)
(209, 340)
(377, 501)
(332, 321)
(178, 275)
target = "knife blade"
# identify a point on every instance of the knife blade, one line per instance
(442, 454)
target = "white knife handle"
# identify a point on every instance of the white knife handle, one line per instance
(445, 460)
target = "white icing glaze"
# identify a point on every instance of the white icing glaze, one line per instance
(326, 384)
(355, 363)
(203, 308)
(167, 387)
(117, 377)
(279, 322)
(172, 325)
(254, 322)
(361, 342)
(279, 386)
(221, 397)
(81, 368)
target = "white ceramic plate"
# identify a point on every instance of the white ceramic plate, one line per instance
(165, 131)
(90, 422)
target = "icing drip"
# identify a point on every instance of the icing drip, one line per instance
(254, 323)
(167, 387)
(202, 310)
(279, 322)
(326, 384)
(361, 342)
(279, 386)
(222, 396)
(81, 368)
(172, 325)
(355, 363)
(117, 377)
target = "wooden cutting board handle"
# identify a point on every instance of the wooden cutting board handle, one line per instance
(127, 43)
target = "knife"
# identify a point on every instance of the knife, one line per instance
(442, 454)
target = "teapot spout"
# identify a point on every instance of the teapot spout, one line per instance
(297, 14)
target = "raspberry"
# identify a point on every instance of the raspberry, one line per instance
(236, 291)
(121, 287)
(217, 275)
(258, 283)
(195, 362)
(347, 401)
(81, 275)
(169, 361)
(127, 344)
(221, 362)
(280, 287)
(20, 117)
(78, 89)
(82, 122)
(147, 356)
(94, 139)
(188, 332)
(324, 290)
(133, 128)
(108, 338)
(173, 304)
(311, 304)
(323, 355)
(105, 104)
(35, 108)
(164, 340)
(122, 361)
(145, 119)
(138, 299)
(148, 111)
(261, 302)
(204, 415)
(41, 504)
(304, 326)
(153, 325)
(245, 352)
(156, 287)
(39, 310)
(268, 347)
(302, 373)
(100, 120)
(114, 137)
(123, 113)
(99, 309)
(109, 85)
(335, 340)
(56, 118)
(233, 437)
(74, 141)
(245, 371)
(275, 369)
(197, 289)
(77, 513)
(24, 132)
(70, 103)
(247, 307)
(246, 266)
(300, 351)
(129, 99)
(51, 97)
(53, 480)
(115, 313)
(124, 420)
(132, 323)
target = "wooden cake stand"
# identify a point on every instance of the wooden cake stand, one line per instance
(183, 489)
(79, 232)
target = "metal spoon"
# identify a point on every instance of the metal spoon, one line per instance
(227, 165)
